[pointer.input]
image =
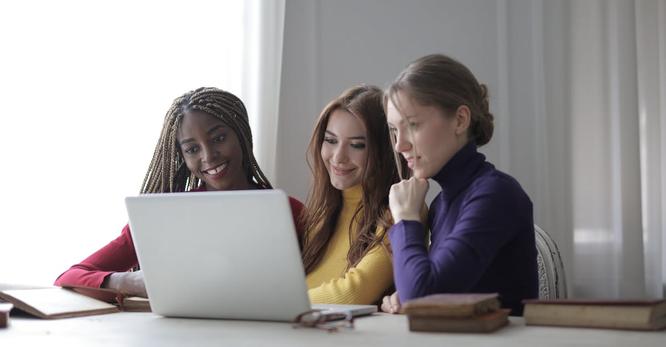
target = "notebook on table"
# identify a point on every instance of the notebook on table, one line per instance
(226, 255)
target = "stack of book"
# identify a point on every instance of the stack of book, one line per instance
(456, 313)
(611, 314)
(4, 313)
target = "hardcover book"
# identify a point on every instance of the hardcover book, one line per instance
(483, 323)
(452, 305)
(456, 313)
(4, 313)
(612, 314)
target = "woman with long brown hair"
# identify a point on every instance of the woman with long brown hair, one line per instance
(345, 251)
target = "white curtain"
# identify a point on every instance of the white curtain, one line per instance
(85, 86)
(578, 91)
(618, 118)
(580, 102)
(651, 49)
(264, 27)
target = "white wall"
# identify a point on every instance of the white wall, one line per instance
(85, 86)
(332, 45)
(516, 47)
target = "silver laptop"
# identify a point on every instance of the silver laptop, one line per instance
(229, 255)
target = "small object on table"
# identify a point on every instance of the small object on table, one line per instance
(4, 313)
(456, 313)
(597, 313)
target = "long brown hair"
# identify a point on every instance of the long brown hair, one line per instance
(442, 81)
(167, 171)
(324, 202)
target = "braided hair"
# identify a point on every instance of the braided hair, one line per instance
(167, 172)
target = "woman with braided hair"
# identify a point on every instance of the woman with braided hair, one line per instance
(481, 222)
(205, 145)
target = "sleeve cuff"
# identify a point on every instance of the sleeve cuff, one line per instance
(406, 233)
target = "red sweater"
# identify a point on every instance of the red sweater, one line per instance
(119, 256)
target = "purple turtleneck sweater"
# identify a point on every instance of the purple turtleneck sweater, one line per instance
(482, 237)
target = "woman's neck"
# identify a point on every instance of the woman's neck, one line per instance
(241, 185)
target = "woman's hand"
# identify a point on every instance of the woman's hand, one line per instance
(129, 283)
(406, 199)
(391, 304)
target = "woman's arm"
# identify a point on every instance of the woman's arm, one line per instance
(117, 256)
(363, 284)
(456, 261)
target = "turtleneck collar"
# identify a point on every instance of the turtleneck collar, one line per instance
(459, 171)
(353, 194)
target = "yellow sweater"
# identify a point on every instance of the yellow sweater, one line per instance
(331, 282)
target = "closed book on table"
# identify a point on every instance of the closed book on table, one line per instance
(456, 313)
(612, 314)
(4, 313)
(452, 305)
(483, 323)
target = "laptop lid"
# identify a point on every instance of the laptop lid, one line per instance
(231, 254)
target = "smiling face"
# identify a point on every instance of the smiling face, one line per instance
(343, 150)
(425, 135)
(212, 151)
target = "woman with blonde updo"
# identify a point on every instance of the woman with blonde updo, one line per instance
(481, 222)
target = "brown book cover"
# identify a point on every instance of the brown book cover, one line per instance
(135, 304)
(72, 301)
(484, 323)
(452, 305)
(55, 302)
(611, 314)
(5, 307)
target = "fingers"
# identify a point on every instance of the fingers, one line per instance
(394, 301)
(406, 199)
(419, 185)
(386, 305)
(411, 187)
(391, 304)
(140, 284)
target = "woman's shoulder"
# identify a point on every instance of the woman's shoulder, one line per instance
(295, 203)
(493, 183)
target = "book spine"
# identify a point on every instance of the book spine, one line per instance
(5, 308)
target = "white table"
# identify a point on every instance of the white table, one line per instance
(147, 329)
